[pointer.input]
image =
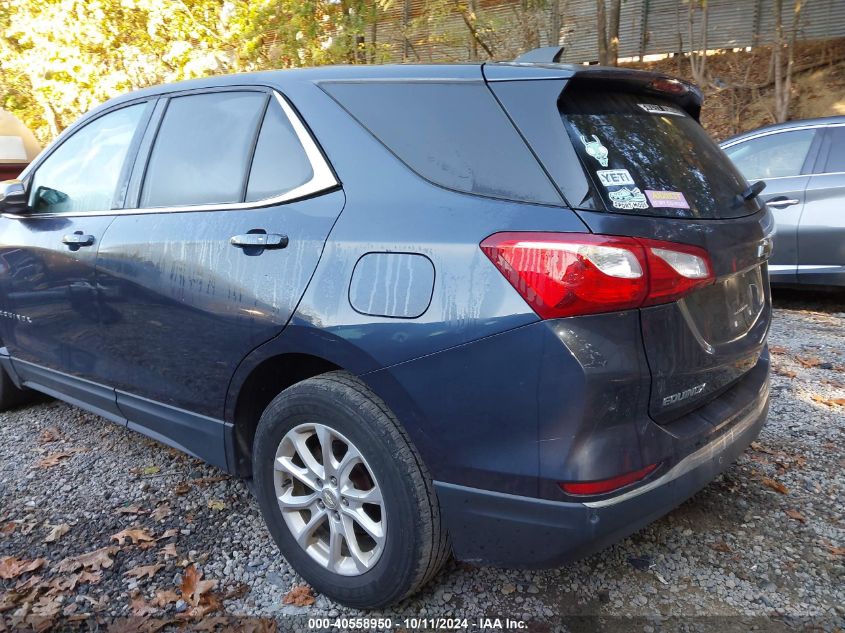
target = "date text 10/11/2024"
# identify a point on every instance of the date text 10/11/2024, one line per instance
(414, 623)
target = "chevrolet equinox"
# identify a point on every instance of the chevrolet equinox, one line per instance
(511, 312)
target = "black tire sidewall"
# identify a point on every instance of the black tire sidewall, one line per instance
(339, 409)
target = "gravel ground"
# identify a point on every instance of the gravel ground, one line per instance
(762, 546)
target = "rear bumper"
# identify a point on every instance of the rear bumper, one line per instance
(516, 531)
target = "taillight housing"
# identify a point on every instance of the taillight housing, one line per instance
(569, 274)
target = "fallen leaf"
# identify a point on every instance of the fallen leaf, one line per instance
(57, 532)
(181, 488)
(8, 528)
(777, 349)
(146, 570)
(721, 546)
(168, 551)
(831, 402)
(50, 434)
(93, 561)
(151, 470)
(783, 371)
(794, 514)
(168, 533)
(133, 509)
(138, 625)
(299, 596)
(193, 587)
(809, 362)
(11, 567)
(52, 460)
(136, 535)
(216, 504)
(207, 481)
(161, 512)
(140, 609)
(761, 449)
(163, 598)
(775, 485)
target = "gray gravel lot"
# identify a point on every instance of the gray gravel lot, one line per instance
(765, 539)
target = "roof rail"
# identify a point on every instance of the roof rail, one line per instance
(544, 55)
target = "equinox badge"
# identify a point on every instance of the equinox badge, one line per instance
(683, 395)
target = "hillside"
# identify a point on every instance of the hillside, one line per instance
(740, 95)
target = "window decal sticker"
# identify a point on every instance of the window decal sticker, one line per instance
(670, 199)
(628, 198)
(614, 177)
(595, 149)
(653, 108)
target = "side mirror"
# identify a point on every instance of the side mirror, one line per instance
(13, 197)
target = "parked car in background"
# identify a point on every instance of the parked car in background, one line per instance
(510, 311)
(803, 165)
(18, 146)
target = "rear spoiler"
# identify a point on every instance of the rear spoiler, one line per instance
(684, 94)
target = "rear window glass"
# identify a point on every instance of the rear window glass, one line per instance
(452, 134)
(646, 156)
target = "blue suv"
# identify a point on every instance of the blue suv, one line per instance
(511, 312)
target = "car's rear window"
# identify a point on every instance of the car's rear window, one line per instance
(646, 156)
(452, 134)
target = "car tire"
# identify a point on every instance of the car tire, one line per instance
(10, 395)
(413, 544)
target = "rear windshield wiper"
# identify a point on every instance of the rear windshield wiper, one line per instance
(749, 194)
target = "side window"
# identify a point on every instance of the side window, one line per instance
(453, 134)
(280, 163)
(83, 173)
(772, 156)
(202, 149)
(836, 157)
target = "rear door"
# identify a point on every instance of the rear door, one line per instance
(650, 170)
(47, 256)
(821, 232)
(226, 222)
(781, 158)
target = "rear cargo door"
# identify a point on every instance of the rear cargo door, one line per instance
(648, 169)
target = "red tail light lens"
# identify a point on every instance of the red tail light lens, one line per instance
(568, 274)
(605, 485)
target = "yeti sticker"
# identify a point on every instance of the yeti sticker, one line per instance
(628, 198)
(595, 149)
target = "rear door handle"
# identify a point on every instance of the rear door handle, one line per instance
(78, 239)
(779, 203)
(259, 240)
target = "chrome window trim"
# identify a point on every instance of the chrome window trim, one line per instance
(322, 179)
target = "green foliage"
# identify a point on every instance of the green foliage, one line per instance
(60, 58)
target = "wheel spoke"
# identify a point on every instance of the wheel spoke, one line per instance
(317, 517)
(326, 438)
(335, 544)
(350, 459)
(307, 457)
(373, 495)
(304, 475)
(291, 501)
(367, 524)
(358, 557)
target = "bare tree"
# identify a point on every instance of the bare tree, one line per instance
(783, 68)
(608, 32)
(698, 46)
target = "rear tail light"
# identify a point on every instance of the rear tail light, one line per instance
(568, 274)
(604, 486)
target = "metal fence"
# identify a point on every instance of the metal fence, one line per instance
(436, 31)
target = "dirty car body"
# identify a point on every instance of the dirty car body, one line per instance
(425, 243)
